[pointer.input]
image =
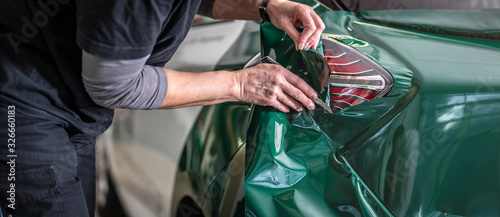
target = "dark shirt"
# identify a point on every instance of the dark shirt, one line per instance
(41, 42)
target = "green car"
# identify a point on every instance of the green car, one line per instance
(415, 90)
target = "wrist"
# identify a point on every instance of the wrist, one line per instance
(273, 6)
(263, 10)
(233, 85)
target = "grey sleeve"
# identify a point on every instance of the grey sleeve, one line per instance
(123, 83)
(206, 8)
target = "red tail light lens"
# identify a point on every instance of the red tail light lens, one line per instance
(354, 77)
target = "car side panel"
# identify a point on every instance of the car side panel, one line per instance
(217, 134)
(429, 148)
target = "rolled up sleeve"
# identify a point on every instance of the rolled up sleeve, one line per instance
(123, 83)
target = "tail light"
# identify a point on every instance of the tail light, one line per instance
(354, 77)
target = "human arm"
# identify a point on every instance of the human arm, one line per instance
(284, 14)
(264, 84)
(131, 84)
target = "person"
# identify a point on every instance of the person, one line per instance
(65, 65)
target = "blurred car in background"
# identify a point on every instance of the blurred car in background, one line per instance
(423, 143)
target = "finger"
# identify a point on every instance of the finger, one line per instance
(299, 96)
(320, 26)
(290, 29)
(279, 105)
(290, 102)
(300, 84)
(309, 28)
(299, 89)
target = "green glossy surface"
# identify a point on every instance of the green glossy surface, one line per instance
(218, 133)
(431, 147)
(210, 165)
(305, 64)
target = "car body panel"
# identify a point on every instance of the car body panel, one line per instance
(428, 148)
(211, 166)
(373, 5)
(226, 193)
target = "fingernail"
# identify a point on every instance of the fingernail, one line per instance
(314, 95)
(308, 46)
(300, 109)
(301, 46)
(311, 106)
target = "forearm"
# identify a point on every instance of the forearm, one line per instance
(264, 84)
(284, 14)
(133, 85)
(196, 89)
(231, 9)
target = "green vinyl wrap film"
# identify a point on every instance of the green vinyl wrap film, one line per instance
(431, 147)
(305, 63)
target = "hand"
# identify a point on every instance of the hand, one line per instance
(273, 85)
(286, 15)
